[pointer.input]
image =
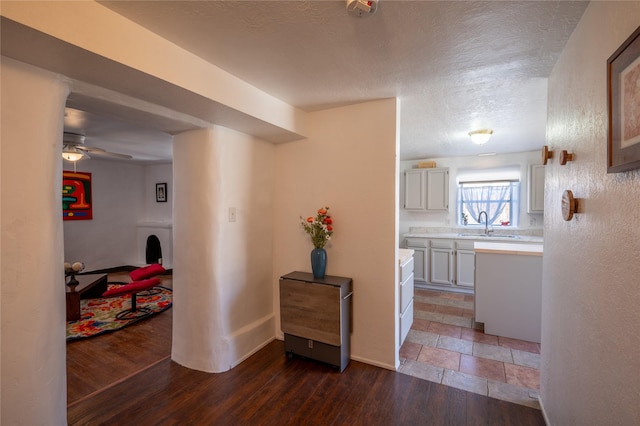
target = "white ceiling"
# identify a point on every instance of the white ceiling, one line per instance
(456, 66)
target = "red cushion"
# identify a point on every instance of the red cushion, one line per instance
(132, 287)
(147, 272)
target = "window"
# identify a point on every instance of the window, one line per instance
(499, 199)
(495, 191)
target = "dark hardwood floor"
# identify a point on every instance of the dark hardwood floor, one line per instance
(124, 379)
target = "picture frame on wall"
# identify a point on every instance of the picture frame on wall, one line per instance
(623, 95)
(161, 192)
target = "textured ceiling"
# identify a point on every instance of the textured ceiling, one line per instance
(456, 66)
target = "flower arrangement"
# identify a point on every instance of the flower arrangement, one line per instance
(320, 227)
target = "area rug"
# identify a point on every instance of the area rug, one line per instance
(98, 316)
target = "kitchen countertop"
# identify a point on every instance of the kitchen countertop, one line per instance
(403, 255)
(474, 236)
(508, 248)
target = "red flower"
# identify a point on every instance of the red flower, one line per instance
(322, 211)
(329, 228)
(309, 219)
(327, 220)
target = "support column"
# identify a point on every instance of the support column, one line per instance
(198, 326)
(33, 356)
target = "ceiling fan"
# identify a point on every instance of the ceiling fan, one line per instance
(73, 149)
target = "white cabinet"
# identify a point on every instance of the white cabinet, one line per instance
(420, 247)
(535, 189)
(426, 189)
(441, 262)
(438, 189)
(465, 258)
(415, 189)
(405, 293)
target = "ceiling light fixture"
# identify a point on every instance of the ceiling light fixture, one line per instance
(361, 8)
(70, 153)
(480, 136)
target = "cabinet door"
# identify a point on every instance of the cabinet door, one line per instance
(465, 267)
(441, 265)
(420, 264)
(438, 189)
(535, 189)
(415, 190)
(311, 311)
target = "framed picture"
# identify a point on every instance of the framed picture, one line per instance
(76, 196)
(161, 192)
(623, 90)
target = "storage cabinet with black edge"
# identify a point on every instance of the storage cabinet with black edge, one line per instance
(426, 189)
(315, 317)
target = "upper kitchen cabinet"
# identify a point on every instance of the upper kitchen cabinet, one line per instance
(426, 189)
(535, 189)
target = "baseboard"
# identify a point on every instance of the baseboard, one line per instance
(544, 413)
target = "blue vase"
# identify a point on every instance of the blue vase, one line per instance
(318, 262)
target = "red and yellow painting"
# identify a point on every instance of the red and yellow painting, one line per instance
(76, 196)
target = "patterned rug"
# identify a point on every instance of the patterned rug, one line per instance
(98, 316)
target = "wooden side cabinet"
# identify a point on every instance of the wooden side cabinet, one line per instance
(315, 317)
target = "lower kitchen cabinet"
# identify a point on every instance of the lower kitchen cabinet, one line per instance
(465, 258)
(315, 317)
(405, 293)
(443, 262)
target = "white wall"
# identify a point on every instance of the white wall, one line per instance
(448, 219)
(348, 163)
(109, 239)
(125, 213)
(590, 373)
(33, 371)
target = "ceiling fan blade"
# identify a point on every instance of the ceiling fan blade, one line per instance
(104, 153)
(90, 149)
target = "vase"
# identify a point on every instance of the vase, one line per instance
(318, 262)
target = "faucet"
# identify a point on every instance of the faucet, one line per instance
(486, 221)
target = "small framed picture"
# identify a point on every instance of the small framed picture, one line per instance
(623, 74)
(161, 192)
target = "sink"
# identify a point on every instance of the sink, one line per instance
(489, 236)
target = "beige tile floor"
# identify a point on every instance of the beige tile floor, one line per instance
(443, 347)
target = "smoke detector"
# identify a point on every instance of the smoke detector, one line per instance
(361, 8)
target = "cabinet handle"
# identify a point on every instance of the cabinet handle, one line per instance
(347, 296)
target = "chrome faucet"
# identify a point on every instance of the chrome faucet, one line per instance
(486, 221)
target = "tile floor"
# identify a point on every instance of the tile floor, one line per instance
(443, 347)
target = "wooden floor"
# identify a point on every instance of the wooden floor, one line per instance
(127, 378)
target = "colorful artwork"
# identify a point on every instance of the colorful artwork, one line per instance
(76, 196)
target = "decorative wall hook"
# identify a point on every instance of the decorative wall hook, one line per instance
(569, 205)
(546, 155)
(564, 157)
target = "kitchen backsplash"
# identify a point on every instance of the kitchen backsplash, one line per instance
(537, 232)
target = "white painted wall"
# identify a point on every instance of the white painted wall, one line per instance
(590, 373)
(448, 219)
(125, 213)
(33, 371)
(348, 163)
(223, 301)
(109, 239)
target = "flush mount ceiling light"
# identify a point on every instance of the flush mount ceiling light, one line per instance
(71, 153)
(480, 136)
(361, 8)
